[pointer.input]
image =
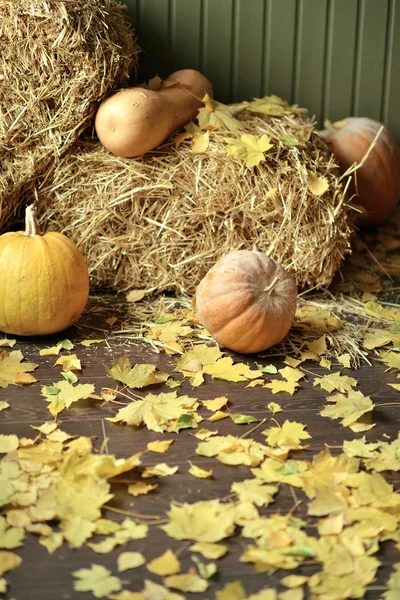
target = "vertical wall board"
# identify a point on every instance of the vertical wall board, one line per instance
(280, 45)
(310, 55)
(340, 59)
(153, 29)
(217, 56)
(248, 49)
(185, 34)
(391, 96)
(370, 69)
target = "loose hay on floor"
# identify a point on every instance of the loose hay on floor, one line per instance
(58, 59)
(159, 222)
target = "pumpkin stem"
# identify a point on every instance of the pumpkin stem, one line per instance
(31, 222)
(269, 288)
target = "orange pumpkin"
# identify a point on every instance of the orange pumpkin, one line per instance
(247, 301)
(44, 282)
(376, 184)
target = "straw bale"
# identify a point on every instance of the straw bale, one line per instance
(159, 222)
(58, 60)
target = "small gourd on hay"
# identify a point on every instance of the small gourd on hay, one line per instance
(44, 282)
(376, 181)
(247, 301)
(137, 120)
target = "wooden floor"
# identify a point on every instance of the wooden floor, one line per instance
(43, 576)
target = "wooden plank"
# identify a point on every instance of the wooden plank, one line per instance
(247, 49)
(341, 50)
(185, 34)
(280, 44)
(391, 99)
(310, 55)
(370, 68)
(217, 46)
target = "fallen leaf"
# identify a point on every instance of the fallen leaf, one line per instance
(217, 114)
(255, 491)
(8, 443)
(204, 521)
(12, 371)
(335, 381)
(159, 446)
(199, 473)
(317, 185)
(249, 148)
(135, 295)
(4, 405)
(188, 582)
(348, 408)
(209, 550)
(166, 564)
(97, 580)
(138, 376)
(141, 487)
(200, 142)
(69, 363)
(130, 560)
(160, 470)
(215, 404)
(9, 561)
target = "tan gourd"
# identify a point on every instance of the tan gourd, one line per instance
(247, 301)
(137, 120)
(44, 283)
(376, 184)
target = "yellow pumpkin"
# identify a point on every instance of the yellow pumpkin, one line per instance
(44, 282)
(247, 301)
(376, 184)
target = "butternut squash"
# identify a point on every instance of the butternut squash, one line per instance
(137, 120)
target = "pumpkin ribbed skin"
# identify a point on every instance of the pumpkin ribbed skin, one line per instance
(247, 301)
(44, 283)
(376, 183)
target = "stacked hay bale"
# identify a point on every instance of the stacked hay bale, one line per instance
(160, 221)
(58, 60)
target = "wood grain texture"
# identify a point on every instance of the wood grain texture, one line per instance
(43, 576)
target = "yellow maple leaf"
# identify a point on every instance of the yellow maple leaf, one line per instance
(217, 114)
(160, 470)
(159, 446)
(69, 363)
(188, 582)
(8, 442)
(318, 346)
(141, 487)
(270, 105)
(209, 550)
(12, 371)
(225, 368)
(215, 404)
(200, 143)
(97, 580)
(161, 412)
(249, 148)
(9, 561)
(139, 376)
(199, 473)
(130, 560)
(288, 436)
(316, 184)
(204, 521)
(255, 491)
(335, 381)
(231, 450)
(348, 408)
(166, 564)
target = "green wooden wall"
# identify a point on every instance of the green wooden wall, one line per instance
(335, 57)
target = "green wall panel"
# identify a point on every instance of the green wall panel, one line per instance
(334, 57)
(341, 43)
(371, 53)
(280, 46)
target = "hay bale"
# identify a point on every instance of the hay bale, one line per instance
(58, 60)
(159, 222)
